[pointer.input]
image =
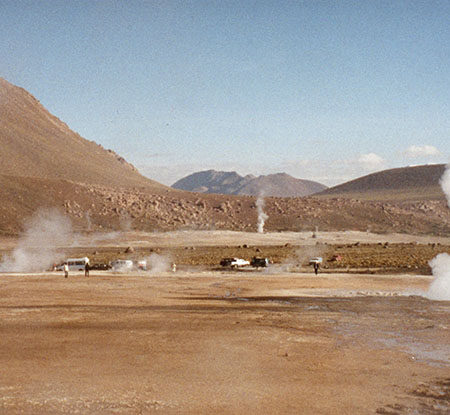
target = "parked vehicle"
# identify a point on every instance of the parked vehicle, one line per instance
(234, 262)
(100, 267)
(122, 265)
(259, 262)
(75, 264)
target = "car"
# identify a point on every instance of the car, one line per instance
(234, 262)
(259, 262)
(100, 267)
(315, 260)
(121, 265)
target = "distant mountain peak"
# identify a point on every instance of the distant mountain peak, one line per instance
(221, 182)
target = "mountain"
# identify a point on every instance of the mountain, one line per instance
(405, 183)
(34, 143)
(231, 183)
(211, 181)
(46, 166)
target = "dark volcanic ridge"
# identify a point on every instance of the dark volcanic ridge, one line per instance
(231, 183)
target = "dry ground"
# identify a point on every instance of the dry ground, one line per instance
(222, 342)
(204, 342)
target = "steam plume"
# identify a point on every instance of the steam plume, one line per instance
(40, 245)
(87, 215)
(440, 287)
(158, 263)
(125, 223)
(445, 183)
(262, 217)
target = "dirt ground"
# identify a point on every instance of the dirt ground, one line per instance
(203, 341)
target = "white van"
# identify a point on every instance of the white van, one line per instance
(77, 264)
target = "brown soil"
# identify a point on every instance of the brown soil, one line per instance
(196, 343)
(204, 341)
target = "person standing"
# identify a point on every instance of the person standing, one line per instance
(316, 268)
(86, 269)
(66, 270)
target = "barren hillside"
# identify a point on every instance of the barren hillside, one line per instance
(34, 143)
(98, 208)
(406, 183)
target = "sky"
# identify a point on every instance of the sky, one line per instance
(322, 90)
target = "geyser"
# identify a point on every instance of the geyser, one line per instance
(445, 183)
(440, 287)
(440, 265)
(262, 217)
(158, 263)
(39, 246)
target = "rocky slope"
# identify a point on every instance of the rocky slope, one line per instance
(97, 208)
(231, 183)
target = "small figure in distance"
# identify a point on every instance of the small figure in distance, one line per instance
(316, 268)
(66, 269)
(315, 262)
(174, 267)
(86, 269)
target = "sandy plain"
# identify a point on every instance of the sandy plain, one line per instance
(209, 341)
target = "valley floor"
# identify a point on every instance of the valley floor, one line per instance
(223, 342)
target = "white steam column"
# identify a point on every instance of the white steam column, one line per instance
(445, 183)
(262, 217)
(440, 287)
(41, 244)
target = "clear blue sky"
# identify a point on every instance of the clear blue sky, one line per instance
(323, 90)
